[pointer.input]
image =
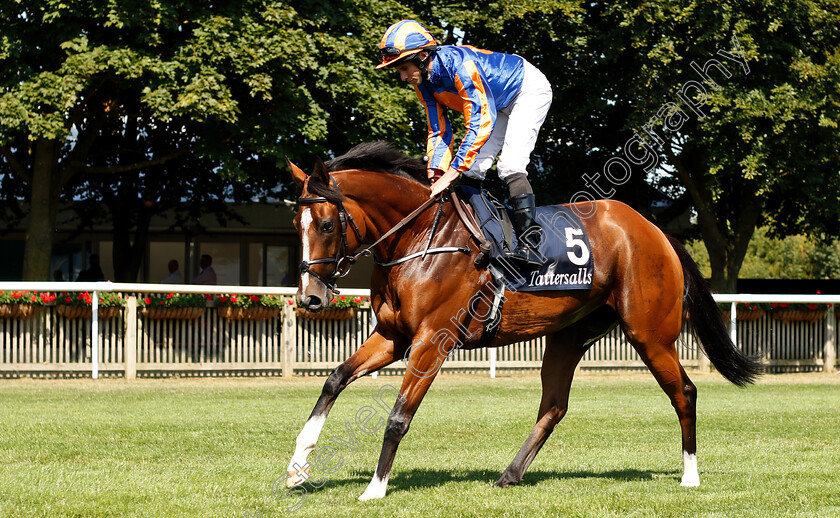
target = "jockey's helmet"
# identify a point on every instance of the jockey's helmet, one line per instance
(403, 40)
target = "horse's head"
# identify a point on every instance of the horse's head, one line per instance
(322, 223)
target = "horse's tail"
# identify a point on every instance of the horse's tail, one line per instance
(708, 326)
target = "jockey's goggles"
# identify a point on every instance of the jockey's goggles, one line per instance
(391, 55)
(388, 53)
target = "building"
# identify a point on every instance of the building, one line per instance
(265, 251)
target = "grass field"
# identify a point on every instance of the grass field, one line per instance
(213, 447)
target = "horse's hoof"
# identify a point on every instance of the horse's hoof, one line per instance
(505, 481)
(375, 490)
(690, 480)
(296, 478)
(370, 495)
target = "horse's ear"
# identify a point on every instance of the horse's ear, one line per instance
(297, 173)
(321, 171)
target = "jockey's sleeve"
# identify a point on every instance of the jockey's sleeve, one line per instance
(439, 138)
(479, 113)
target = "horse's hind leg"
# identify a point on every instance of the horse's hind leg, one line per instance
(375, 353)
(664, 364)
(563, 352)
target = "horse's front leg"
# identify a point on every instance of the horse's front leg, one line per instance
(377, 352)
(423, 363)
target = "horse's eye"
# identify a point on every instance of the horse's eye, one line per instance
(327, 226)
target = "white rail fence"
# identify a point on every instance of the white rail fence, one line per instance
(130, 345)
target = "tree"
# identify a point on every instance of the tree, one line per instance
(185, 187)
(729, 108)
(735, 98)
(791, 257)
(238, 80)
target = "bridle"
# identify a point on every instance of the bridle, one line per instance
(343, 261)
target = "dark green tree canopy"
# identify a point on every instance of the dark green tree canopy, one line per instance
(243, 85)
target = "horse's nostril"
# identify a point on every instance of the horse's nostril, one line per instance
(312, 302)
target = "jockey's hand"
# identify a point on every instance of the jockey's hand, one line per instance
(443, 182)
(434, 174)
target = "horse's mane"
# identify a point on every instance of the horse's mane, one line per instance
(383, 157)
(378, 156)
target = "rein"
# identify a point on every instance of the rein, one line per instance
(343, 261)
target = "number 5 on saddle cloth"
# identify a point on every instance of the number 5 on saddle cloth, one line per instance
(561, 241)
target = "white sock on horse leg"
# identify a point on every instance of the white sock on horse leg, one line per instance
(376, 489)
(690, 478)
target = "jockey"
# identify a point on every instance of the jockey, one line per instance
(504, 100)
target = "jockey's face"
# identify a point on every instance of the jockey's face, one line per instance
(410, 73)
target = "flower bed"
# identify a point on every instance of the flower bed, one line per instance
(248, 307)
(80, 305)
(745, 311)
(340, 308)
(22, 304)
(799, 312)
(173, 306)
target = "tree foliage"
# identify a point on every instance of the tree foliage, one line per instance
(791, 257)
(243, 84)
(99, 97)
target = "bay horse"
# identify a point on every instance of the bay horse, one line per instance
(644, 281)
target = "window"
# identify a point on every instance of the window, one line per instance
(160, 253)
(277, 266)
(225, 261)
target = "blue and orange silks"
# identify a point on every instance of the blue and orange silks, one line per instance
(475, 82)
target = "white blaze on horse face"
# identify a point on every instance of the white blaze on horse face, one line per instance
(376, 489)
(306, 440)
(305, 223)
(690, 478)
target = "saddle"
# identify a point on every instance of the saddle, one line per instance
(563, 243)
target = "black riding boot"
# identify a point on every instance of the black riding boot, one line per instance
(524, 210)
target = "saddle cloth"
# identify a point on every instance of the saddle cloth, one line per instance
(568, 263)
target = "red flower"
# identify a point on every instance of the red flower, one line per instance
(233, 298)
(169, 295)
(291, 302)
(147, 300)
(342, 297)
(813, 307)
(16, 295)
(334, 300)
(208, 296)
(357, 300)
(161, 303)
(33, 298)
(68, 300)
(255, 298)
(222, 298)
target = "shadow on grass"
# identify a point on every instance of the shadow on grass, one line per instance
(414, 478)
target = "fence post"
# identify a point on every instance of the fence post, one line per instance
(372, 327)
(94, 336)
(492, 362)
(733, 324)
(130, 353)
(830, 351)
(289, 340)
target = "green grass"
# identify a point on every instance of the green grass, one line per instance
(213, 447)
